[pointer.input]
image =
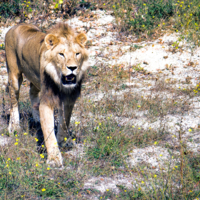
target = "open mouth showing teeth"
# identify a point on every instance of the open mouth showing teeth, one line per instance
(67, 80)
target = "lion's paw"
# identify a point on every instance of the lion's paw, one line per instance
(55, 160)
(13, 127)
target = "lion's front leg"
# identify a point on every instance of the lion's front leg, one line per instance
(63, 125)
(47, 124)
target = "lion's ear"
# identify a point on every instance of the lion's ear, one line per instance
(81, 39)
(50, 41)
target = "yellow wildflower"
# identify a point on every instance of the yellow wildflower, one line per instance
(41, 155)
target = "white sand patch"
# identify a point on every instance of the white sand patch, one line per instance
(105, 19)
(157, 57)
(3, 79)
(3, 31)
(168, 38)
(194, 147)
(76, 23)
(154, 155)
(77, 151)
(4, 140)
(104, 184)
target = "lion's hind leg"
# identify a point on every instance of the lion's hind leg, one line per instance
(63, 136)
(35, 102)
(14, 83)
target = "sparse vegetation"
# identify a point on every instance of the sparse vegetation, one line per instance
(151, 16)
(113, 118)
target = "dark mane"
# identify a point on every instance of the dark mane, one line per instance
(57, 94)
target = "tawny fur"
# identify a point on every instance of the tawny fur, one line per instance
(53, 63)
(62, 30)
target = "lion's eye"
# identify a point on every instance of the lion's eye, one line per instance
(77, 54)
(61, 54)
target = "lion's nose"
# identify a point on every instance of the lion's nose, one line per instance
(72, 68)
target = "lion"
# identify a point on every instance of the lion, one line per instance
(53, 63)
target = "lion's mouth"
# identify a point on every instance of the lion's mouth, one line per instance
(67, 80)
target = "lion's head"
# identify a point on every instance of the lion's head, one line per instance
(65, 55)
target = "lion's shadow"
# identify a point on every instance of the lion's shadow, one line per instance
(34, 129)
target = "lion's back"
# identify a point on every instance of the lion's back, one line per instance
(23, 43)
(20, 33)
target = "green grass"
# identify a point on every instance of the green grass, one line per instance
(106, 137)
(143, 18)
(152, 16)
